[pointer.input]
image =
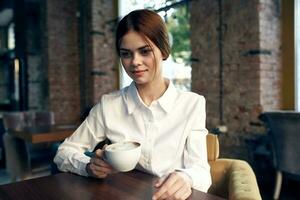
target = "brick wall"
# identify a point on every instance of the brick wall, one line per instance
(63, 60)
(236, 51)
(270, 61)
(80, 55)
(104, 71)
(205, 57)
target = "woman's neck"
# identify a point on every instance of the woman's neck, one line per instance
(152, 91)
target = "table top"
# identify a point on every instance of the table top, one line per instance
(45, 133)
(133, 185)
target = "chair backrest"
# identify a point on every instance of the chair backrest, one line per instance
(284, 130)
(27, 118)
(13, 120)
(212, 144)
(44, 117)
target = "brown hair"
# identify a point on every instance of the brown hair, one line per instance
(147, 23)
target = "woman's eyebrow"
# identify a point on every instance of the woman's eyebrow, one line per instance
(139, 48)
(144, 47)
(123, 49)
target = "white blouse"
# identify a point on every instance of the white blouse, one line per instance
(171, 131)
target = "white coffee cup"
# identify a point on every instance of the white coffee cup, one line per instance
(123, 156)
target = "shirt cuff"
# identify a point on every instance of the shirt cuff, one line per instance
(83, 161)
(200, 181)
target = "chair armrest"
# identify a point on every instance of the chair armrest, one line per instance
(219, 174)
(234, 179)
(242, 182)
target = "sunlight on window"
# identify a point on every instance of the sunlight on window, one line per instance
(11, 36)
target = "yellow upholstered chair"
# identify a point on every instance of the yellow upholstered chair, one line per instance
(232, 179)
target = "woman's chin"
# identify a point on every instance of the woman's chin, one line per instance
(140, 81)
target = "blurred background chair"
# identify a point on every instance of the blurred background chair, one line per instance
(25, 160)
(283, 128)
(232, 179)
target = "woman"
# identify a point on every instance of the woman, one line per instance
(168, 123)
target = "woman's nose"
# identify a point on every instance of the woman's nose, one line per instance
(136, 59)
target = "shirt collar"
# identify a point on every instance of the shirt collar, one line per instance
(132, 97)
(166, 101)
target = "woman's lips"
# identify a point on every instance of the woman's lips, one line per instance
(138, 72)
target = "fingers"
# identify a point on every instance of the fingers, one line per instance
(98, 167)
(174, 187)
(94, 171)
(99, 153)
(103, 148)
(160, 181)
(165, 187)
(184, 193)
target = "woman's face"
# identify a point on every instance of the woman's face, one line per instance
(140, 61)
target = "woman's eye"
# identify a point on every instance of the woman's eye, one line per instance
(145, 52)
(125, 54)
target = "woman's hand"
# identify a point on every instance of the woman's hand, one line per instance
(176, 186)
(97, 167)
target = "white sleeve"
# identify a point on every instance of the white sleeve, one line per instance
(70, 154)
(195, 154)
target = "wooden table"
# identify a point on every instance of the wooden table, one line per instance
(46, 133)
(125, 186)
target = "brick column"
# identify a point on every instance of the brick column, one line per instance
(246, 56)
(104, 67)
(63, 60)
